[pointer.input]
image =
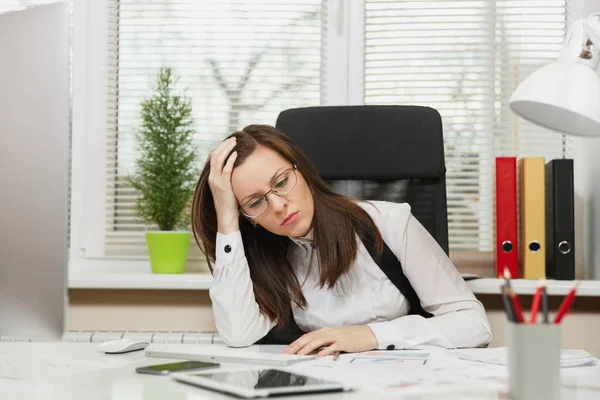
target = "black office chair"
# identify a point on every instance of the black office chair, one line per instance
(392, 153)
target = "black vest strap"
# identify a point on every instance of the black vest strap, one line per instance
(285, 335)
(391, 267)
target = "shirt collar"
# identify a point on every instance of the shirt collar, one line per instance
(303, 240)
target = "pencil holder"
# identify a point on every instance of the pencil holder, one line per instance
(534, 361)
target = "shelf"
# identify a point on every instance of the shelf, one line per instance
(523, 286)
(139, 280)
(143, 278)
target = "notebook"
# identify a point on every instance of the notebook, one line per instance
(271, 355)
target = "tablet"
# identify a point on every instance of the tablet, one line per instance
(258, 382)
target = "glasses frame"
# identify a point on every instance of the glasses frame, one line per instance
(265, 196)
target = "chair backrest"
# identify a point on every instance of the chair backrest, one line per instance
(392, 153)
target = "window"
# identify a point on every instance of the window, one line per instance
(465, 59)
(244, 61)
(241, 62)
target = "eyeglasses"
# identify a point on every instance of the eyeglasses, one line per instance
(283, 184)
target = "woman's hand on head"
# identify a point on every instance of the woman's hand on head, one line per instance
(219, 180)
(349, 339)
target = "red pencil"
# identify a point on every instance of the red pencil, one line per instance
(507, 277)
(536, 302)
(566, 303)
(517, 305)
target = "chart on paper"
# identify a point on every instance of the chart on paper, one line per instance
(398, 358)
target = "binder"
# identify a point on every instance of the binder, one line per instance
(533, 217)
(560, 220)
(507, 254)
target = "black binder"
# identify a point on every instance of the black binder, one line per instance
(560, 220)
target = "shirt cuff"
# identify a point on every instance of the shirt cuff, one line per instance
(229, 247)
(408, 332)
(387, 335)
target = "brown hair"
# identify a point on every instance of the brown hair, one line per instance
(336, 222)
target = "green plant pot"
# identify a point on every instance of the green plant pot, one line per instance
(168, 251)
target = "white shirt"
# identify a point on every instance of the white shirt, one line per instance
(364, 295)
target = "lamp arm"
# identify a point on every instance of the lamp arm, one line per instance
(582, 42)
(592, 28)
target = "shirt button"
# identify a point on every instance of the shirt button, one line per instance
(227, 249)
(391, 347)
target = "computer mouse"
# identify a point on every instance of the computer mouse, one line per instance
(119, 346)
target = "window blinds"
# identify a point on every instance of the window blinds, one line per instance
(465, 59)
(240, 62)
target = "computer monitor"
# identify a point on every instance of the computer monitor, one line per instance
(34, 172)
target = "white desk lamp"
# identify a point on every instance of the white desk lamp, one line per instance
(564, 96)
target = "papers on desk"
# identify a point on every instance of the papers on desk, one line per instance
(499, 356)
(413, 372)
(32, 360)
(394, 358)
(408, 372)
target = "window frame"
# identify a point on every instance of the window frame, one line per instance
(343, 77)
(90, 77)
(88, 130)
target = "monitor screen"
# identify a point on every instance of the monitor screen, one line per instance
(34, 171)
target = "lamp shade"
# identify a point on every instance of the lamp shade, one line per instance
(563, 96)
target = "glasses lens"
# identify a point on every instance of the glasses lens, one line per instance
(255, 206)
(285, 182)
(259, 204)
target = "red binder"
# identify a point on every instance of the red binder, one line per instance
(507, 254)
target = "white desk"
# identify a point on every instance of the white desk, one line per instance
(119, 381)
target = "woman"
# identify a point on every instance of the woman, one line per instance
(277, 239)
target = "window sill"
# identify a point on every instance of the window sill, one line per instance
(137, 277)
(103, 274)
(141, 281)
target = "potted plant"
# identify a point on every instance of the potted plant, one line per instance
(166, 173)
